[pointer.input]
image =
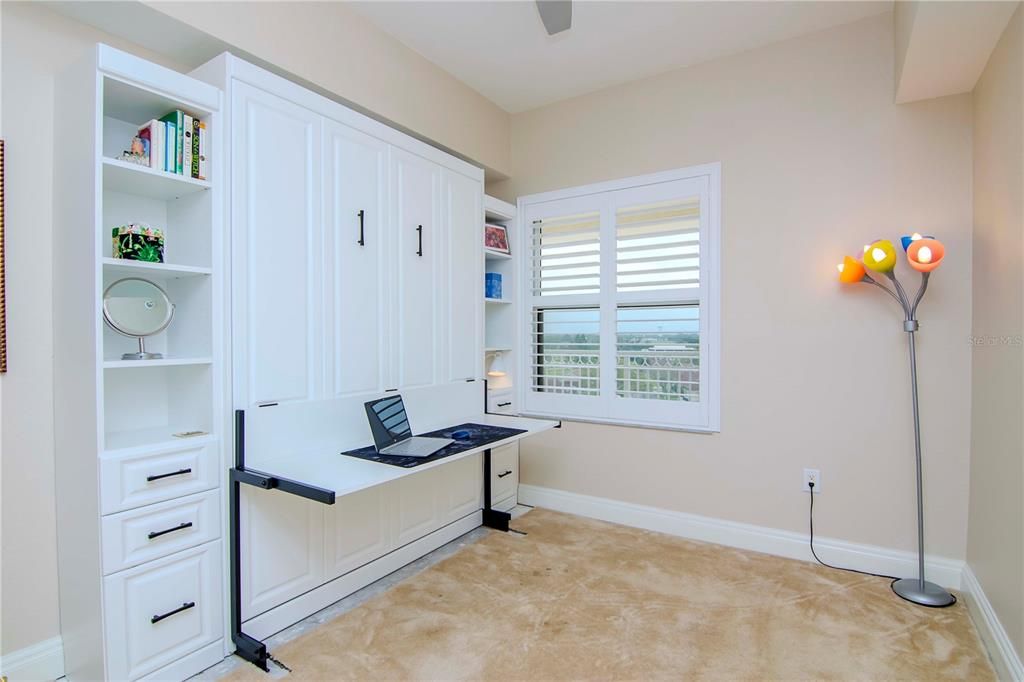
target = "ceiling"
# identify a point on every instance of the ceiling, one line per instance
(501, 49)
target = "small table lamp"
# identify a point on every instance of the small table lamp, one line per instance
(924, 255)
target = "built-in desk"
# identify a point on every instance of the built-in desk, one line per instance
(329, 470)
(324, 474)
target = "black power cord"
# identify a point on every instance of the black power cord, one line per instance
(854, 570)
(818, 559)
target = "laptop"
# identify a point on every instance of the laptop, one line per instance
(391, 431)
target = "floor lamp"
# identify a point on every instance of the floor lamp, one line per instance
(924, 255)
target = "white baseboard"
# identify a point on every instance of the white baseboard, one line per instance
(945, 572)
(1004, 657)
(41, 661)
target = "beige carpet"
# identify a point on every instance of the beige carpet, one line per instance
(584, 600)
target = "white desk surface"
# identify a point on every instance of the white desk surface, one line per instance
(331, 470)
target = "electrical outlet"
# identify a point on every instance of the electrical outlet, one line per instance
(812, 476)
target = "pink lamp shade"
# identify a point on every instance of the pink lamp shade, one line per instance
(924, 255)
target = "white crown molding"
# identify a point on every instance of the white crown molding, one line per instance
(40, 661)
(946, 572)
(1004, 657)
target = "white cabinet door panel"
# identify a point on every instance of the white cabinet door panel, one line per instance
(282, 548)
(356, 276)
(358, 529)
(419, 259)
(463, 487)
(277, 233)
(417, 511)
(462, 209)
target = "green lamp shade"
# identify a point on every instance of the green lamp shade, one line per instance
(880, 256)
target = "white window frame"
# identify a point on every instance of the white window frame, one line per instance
(703, 416)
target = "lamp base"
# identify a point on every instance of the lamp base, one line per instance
(932, 595)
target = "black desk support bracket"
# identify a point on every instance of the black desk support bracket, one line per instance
(250, 648)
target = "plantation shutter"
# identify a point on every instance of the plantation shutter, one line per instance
(566, 255)
(657, 246)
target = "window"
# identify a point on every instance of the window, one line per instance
(622, 290)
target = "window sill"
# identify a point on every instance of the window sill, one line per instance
(706, 430)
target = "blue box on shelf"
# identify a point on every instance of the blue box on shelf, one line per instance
(492, 285)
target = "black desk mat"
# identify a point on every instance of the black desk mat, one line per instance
(479, 434)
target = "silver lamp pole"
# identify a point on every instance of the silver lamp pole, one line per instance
(917, 590)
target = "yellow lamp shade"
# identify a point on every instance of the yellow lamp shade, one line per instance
(880, 256)
(850, 271)
(925, 254)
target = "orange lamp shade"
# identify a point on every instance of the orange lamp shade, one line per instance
(925, 255)
(880, 256)
(850, 271)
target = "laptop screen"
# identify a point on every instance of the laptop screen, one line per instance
(388, 421)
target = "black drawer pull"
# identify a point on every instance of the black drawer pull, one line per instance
(419, 231)
(362, 240)
(184, 607)
(181, 526)
(504, 404)
(179, 472)
(505, 474)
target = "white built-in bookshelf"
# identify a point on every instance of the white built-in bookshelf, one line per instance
(123, 463)
(500, 315)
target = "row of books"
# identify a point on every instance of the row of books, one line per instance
(177, 144)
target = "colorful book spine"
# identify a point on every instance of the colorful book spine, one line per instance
(176, 119)
(196, 148)
(186, 145)
(204, 141)
(170, 149)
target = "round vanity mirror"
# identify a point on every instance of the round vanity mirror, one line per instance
(138, 308)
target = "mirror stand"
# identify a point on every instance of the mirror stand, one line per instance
(142, 354)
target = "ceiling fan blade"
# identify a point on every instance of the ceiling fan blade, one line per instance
(556, 15)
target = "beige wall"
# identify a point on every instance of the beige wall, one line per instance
(995, 545)
(337, 49)
(36, 44)
(816, 160)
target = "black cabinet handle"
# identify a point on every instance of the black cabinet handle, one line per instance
(362, 239)
(419, 231)
(504, 404)
(505, 474)
(184, 607)
(180, 526)
(157, 477)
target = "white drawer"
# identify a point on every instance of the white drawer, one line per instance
(136, 479)
(140, 535)
(504, 471)
(501, 402)
(182, 593)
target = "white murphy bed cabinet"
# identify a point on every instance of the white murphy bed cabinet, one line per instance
(140, 515)
(332, 296)
(356, 269)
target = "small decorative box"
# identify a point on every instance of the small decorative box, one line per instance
(138, 241)
(492, 285)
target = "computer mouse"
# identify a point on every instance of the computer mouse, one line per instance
(461, 434)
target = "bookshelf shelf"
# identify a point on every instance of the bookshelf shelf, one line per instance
(131, 178)
(119, 267)
(496, 255)
(155, 438)
(164, 362)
